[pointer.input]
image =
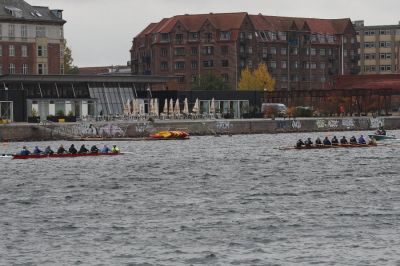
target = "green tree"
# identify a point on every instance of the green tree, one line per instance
(69, 68)
(210, 82)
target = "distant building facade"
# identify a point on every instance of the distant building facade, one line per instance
(31, 39)
(301, 53)
(379, 48)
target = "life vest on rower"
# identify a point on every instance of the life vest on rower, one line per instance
(115, 149)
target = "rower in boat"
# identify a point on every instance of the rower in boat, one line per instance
(308, 143)
(72, 149)
(353, 140)
(299, 143)
(327, 142)
(94, 149)
(36, 150)
(24, 151)
(381, 131)
(361, 140)
(61, 150)
(335, 141)
(105, 149)
(83, 149)
(343, 141)
(115, 149)
(48, 150)
(318, 142)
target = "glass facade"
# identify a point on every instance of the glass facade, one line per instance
(111, 99)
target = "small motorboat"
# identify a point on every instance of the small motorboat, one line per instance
(379, 137)
(170, 134)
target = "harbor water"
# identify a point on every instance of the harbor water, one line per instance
(236, 200)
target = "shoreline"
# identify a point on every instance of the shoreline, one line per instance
(140, 130)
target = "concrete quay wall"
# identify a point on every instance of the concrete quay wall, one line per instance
(140, 129)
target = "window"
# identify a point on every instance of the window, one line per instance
(11, 69)
(273, 50)
(322, 52)
(24, 32)
(272, 64)
(283, 51)
(194, 65)
(250, 35)
(25, 69)
(164, 65)
(42, 51)
(345, 53)
(250, 63)
(11, 30)
(369, 45)
(250, 50)
(40, 31)
(225, 63)
(208, 37)
(208, 50)
(313, 51)
(11, 50)
(193, 36)
(273, 36)
(225, 35)
(353, 40)
(283, 64)
(42, 69)
(295, 64)
(179, 51)
(384, 32)
(323, 79)
(313, 65)
(385, 44)
(180, 65)
(208, 63)
(194, 50)
(282, 36)
(294, 51)
(225, 77)
(179, 38)
(306, 65)
(164, 52)
(264, 52)
(24, 51)
(194, 78)
(164, 37)
(322, 65)
(181, 79)
(224, 50)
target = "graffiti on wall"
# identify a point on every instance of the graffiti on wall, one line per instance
(85, 130)
(111, 130)
(296, 124)
(143, 127)
(223, 125)
(320, 123)
(333, 123)
(348, 123)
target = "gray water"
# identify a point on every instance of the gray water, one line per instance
(205, 201)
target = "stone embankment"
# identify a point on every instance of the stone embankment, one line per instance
(141, 129)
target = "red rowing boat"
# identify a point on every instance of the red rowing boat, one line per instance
(63, 155)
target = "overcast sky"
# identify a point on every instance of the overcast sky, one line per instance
(100, 32)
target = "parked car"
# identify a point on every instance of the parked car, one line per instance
(274, 109)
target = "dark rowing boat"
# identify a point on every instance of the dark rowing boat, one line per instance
(378, 137)
(63, 155)
(335, 146)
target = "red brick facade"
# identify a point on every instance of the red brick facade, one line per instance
(300, 53)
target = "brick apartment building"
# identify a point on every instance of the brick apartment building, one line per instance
(379, 48)
(31, 39)
(301, 53)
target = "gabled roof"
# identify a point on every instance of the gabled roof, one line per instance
(27, 12)
(221, 21)
(315, 25)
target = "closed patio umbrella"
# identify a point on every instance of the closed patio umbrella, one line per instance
(185, 107)
(196, 108)
(165, 110)
(177, 109)
(212, 106)
(171, 106)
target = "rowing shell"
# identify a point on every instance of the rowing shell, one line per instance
(63, 155)
(314, 147)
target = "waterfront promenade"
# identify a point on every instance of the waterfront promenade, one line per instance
(141, 129)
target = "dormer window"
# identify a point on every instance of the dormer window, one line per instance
(37, 13)
(225, 35)
(13, 11)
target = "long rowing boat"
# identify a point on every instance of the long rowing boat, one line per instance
(63, 155)
(335, 146)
